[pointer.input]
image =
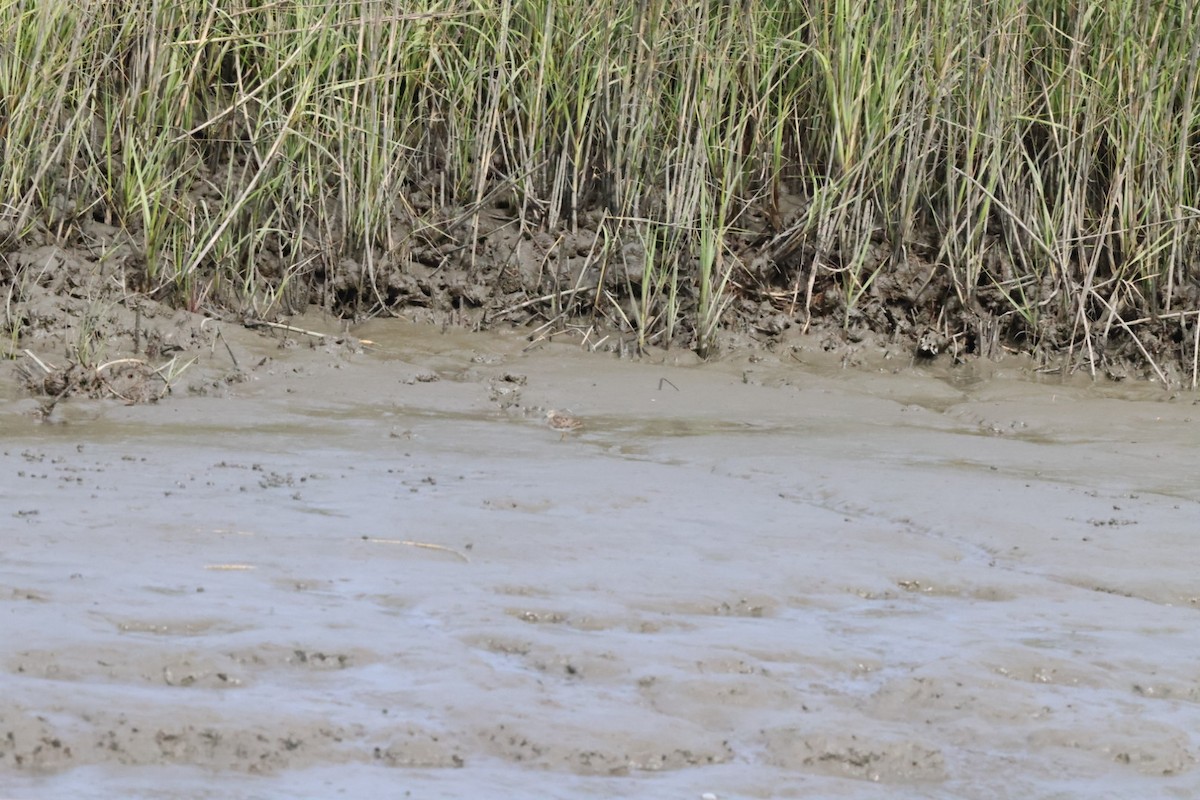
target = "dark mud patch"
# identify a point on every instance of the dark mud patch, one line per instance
(76, 329)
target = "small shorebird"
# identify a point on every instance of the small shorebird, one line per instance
(562, 422)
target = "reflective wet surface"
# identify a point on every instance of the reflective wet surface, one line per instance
(383, 573)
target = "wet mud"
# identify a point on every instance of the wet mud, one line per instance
(368, 566)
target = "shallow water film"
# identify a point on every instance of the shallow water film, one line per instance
(385, 574)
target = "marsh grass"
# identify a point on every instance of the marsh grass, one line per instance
(1037, 160)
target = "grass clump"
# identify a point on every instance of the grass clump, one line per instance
(1006, 173)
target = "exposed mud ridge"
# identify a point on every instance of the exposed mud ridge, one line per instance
(76, 328)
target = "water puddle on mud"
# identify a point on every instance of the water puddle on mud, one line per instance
(384, 574)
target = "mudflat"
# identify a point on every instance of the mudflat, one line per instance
(378, 571)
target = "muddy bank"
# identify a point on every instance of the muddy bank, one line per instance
(83, 318)
(373, 568)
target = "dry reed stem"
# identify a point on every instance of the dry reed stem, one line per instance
(279, 326)
(117, 362)
(425, 545)
(38, 361)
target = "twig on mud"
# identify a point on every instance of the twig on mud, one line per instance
(228, 349)
(172, 372)
(38, 361)
(254, 323)
(661, 381)
(425, 545)
(221, 336)
(1167, 315)
(538, 336)
(126, 398)
(105, 366)
(542, 299)
(592, 347)
(1133, 336)
(137, 389)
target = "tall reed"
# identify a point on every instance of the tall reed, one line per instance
(1037, 159)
